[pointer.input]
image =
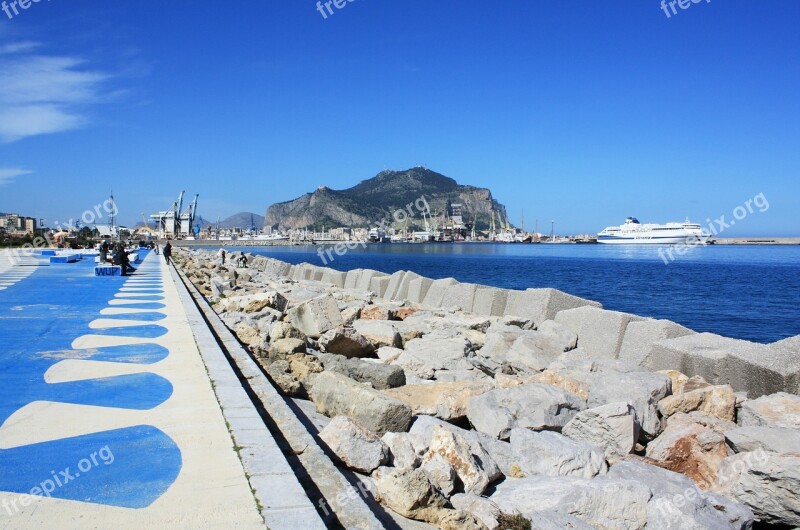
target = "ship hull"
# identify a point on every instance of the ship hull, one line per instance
(694, 240)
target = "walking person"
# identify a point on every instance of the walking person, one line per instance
(167, 252)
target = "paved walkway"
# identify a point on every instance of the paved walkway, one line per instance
(107, 414)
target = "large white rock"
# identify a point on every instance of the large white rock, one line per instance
(612, 427)
(528, 351)
(601, 502)
(773, 439)
(554, 455)
(410, 493)
(471, 463)
(643, 390)
(379, 332)
(691, 449)
(347, 342)
(401, 449)
(532, 406)
(335, 394)
(445, 400)
(766, 482)
(776, 410)
(425, 356)
(316, 316)
(356, 448)
(678, 503)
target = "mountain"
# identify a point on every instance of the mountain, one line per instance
(239, 220)
(380, 197)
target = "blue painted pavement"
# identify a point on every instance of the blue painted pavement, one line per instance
(40, 317)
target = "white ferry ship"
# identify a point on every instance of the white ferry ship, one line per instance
(635, 233)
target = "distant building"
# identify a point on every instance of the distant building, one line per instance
(16, 224)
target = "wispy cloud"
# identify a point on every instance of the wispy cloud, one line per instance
(42, 94)
(7, 175)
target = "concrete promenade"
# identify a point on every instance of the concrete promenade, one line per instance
(107, 413)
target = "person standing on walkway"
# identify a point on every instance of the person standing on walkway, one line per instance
(167, 252)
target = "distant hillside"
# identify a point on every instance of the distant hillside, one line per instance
(375, 199)
(239, 220)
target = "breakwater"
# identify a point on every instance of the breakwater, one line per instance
(460, 405)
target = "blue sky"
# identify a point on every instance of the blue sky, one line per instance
(579, 111)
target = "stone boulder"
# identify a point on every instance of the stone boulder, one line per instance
(379, 332)
(335, 394)
(347, 342)
(690, 394)
(284, 330)
(316, 316)
(410, 493)
(772, 439)
(473, 466)
(282, 348)
(402, 449)
(380, 376)
(485, 510)
(529, 351)
(425, 356)
(691, 449)
(643, 390)
(532, 406)
(356, 448)
(678, 503)
(445, 400)
(766, 482)
(776, 410)
(554, 455)
(600, 502)
(613, 427)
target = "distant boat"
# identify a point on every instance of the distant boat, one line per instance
(635, 233)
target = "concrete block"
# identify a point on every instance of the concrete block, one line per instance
(379, 285)
(402, 291)
(272, 267)
(791, 344)
(542, 304)
(490, 301)
(758, 369)
(461, 295)
(353, 276)
(418, 289)
(641, 336)
(366, 279)
(436, 291)
(600, 332)
(394, 285)
(70, 258)
(334, 277)
(316, 273)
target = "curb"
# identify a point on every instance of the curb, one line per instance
(328, 485)
(284, 503)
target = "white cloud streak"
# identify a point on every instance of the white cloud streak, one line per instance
(41, 94)
(8, 175)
